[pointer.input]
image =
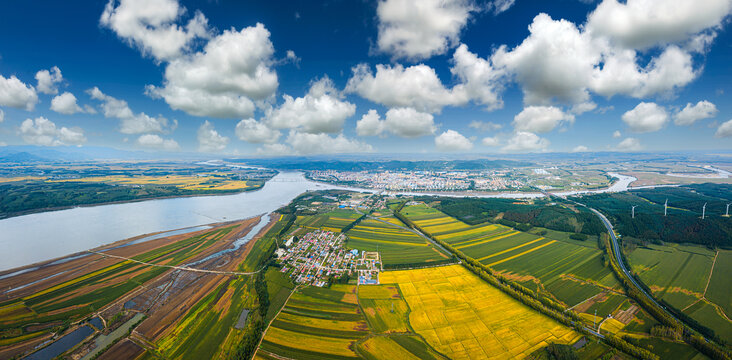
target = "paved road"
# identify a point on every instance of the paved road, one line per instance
(616, 251)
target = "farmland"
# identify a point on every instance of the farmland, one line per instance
(395, 244)
(680, 276)
(463, 317)
(571, 271)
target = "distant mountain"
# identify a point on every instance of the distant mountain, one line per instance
(31, 153)
(21, 157)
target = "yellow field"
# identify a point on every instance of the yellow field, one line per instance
(307, 342)
(612, 326)
(465, 318)
(453, 226)
(436, 221)
(488, 239)
(522, 253)
(188, 182)
(381, 347)
(19, 178)
(510, 249)
(479, 230)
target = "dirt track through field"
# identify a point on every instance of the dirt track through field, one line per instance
(183, 268)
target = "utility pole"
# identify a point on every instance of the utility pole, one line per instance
(594, 321)
(665, 208)
(632, 210)
(704, 210)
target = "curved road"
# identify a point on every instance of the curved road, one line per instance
(616, 251)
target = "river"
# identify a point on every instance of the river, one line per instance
(43, 236)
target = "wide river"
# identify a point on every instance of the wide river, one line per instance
(33, 238)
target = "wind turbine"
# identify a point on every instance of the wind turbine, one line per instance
(704, 210)
(665, 208)
(632, 211)
(727, 212)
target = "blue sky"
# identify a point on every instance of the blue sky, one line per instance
(300, 77)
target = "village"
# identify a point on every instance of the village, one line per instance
(320, 257)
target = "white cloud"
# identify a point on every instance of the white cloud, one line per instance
(645, 23)
(306, 143)
(484, 125)
(500, 6)
(581, 108)
(130, 123)
(646, 117)
(14, 93)
(209, 139)
(523, 141)
(479, 79)
(580, 148)
(225, 78)
(540, 119)
(629, 144)
(157, 142)
(617, 134)
(724, 130)
(151, 26)
(693, 113)
(452, 140)
(2, 115)
(409, 123)
(396, 86)
(320, 110)
(564, 62)
(253, 131)
(370, 124)
(65, 104)
(490, 141)
(47, 80)
(555, 61)
(418, 29)
(41, 131)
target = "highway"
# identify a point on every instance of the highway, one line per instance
(616, 251)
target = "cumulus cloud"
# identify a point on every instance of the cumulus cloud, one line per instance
(41, 131)
(14, 93)
(452, 140)
(580, 148)
(629, 144)
(617, 134)
(419, 87)
(209, 139)
(490, 141)
(693, 113)
(2, 115)
(419, 29)
(152, 26)
(130, 123)
(65, 104)
(540, 119)
(225, 78)
(645, 23)
(523, 141)
(370, 124)
(409, 123)
(581, 108)
(484, 125)
(156, 142)
(320, 111)
(724, 130)
(253, 131)
(416, 86)
(48, 80)
(561, 61)
(646, 117)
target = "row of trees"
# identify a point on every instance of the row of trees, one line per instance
(532, 299)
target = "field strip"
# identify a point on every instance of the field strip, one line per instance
(179, 267)
(522, 254)
(509, 250)
(711, 271)
(489, 239)
(389, 242)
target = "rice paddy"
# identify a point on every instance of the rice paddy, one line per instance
(464, 318)
(395, 244)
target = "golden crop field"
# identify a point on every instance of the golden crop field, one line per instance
(449, 227)
(188, 182)
(465, 318)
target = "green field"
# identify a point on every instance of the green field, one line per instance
(395, 244)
